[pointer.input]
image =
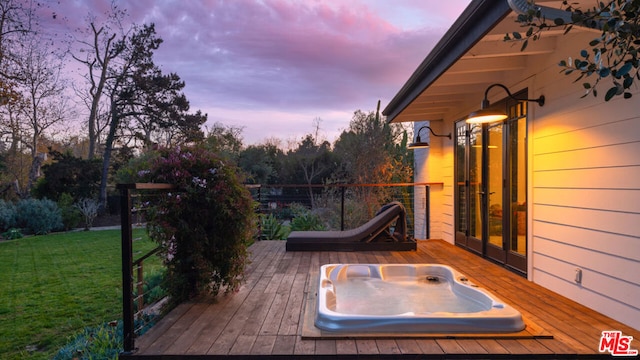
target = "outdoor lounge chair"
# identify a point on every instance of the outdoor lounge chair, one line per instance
(386, 231)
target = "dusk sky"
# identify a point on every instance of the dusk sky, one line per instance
(273, 66)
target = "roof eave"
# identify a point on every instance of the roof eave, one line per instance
(474, 22)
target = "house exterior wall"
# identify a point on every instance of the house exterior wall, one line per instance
(585, 211)
(431, 166)
(583, 188)
(584, 173)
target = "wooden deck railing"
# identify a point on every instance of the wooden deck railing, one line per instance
(261, 194)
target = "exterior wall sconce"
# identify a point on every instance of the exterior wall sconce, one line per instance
(486, 115)
(423, 144)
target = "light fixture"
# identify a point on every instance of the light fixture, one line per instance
(423, 144)
(486, 115)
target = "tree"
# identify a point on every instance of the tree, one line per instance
(136, 59)
(160, 111)
(613, 55)
(97, 55)
(261, 163)
(185, 129)
(315, 161)
(17, 160)
(69, 174)
(15, 21)
(369, 150)
(372, 151)
(139, 92)
(89, 210)
(225, 140)
(45, 106)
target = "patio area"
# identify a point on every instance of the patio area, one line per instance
(266, 317)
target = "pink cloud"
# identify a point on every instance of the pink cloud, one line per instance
(279, 55)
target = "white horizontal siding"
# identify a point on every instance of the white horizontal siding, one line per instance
(619, 200)
(418, 215)
(624, 178)
(615, 268)
(434, 164)
(624, 155)
(578, 133)
(585, 200)
(614, 222)
(447, 208)
(608, 287)
(596, 241)
(608, 304)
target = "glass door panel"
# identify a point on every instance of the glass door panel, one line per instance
(476, 198)
(462, 188)
(517, 179)
(495, 186)
(517, 173)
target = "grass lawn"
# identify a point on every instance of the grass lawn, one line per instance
(53, 286)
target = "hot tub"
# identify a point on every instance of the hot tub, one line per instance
(408, 298)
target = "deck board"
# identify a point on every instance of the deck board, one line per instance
(263, 345)
(265, 317)
(430, 346)
(326, 347)
(408, 346)
(471, 346)
(346, 347)
(492, 346)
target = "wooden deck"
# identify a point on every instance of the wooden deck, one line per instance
(264, 319)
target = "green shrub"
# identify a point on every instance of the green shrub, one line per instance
(101, 342)
(307, 221)
(12, 234)
(271, 228)
(297, 209)
(153, 289)
(7, 215)
(68, 174)
(284, 213)
(70, 214)
(39, 216)
(205, 226)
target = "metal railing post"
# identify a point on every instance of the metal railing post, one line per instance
(127, 276)
(126, 231)
(342, 209)
(427, 211)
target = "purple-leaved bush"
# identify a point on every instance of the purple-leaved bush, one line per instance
(204, 226)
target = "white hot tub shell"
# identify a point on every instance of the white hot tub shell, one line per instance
(408, 298)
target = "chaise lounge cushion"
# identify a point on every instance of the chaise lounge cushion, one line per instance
(374, 231)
